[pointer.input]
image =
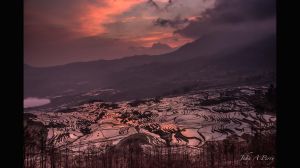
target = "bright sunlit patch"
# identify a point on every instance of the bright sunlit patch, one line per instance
(96, 16)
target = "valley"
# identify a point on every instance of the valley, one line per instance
(192, 120)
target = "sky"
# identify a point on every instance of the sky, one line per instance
(64, 31)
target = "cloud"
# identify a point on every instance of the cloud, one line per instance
(153, 4)
(177, 22)
(84, 17)
(91, 17)
(229, 15)
(64, 31)
(170, 3)
(142, 20)
(231, 26)
(34, 102)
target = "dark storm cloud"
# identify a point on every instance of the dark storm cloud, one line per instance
(234, 11)
(175, 23)
(230, 15)
(153, 4)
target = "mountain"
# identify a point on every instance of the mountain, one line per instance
(160, 46)
(205, 62)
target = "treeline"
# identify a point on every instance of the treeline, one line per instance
(215, 154)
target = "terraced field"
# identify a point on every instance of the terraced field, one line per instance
(192, 119)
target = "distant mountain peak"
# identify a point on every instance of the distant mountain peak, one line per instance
(159, 45)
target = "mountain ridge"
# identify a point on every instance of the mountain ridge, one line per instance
(186, 66)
